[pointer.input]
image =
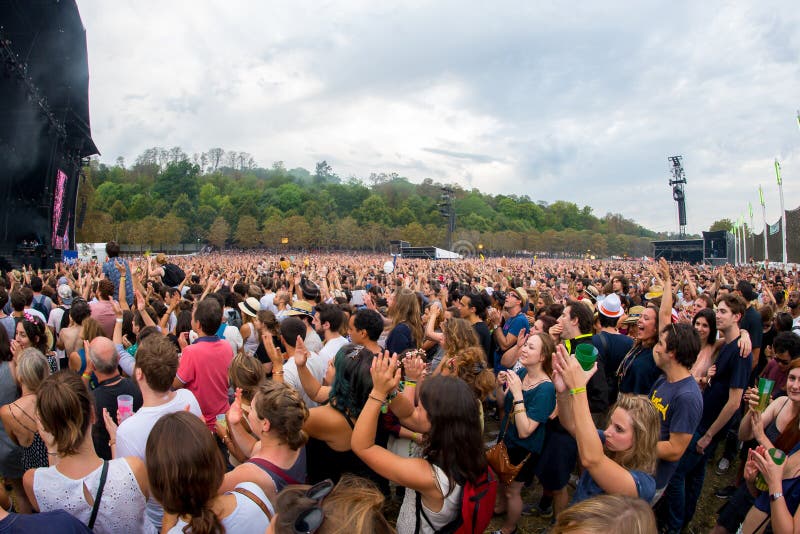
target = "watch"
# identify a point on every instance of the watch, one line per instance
(775, 496)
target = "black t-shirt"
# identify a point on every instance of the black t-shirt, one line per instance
(484, 338)
(733, 372)
(612, 348)
(751, 321)
(105, 396)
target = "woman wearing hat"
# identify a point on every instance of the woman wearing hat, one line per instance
(249, 329)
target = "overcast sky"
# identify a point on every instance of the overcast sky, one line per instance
(580, 101)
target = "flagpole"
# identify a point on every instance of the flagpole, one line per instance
(743, 230)
(752, 226)
(783, 213)
(735, 245)
(766, 230)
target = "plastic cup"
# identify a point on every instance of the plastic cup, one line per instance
(124, 407)
(222, 421)
(765, 386)
(778, 456)
(586, 354)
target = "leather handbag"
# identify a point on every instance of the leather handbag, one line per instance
(497, 456)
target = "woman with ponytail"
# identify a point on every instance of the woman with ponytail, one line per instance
(76, 474)
(186, 469)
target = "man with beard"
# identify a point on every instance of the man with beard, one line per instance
(328, 323)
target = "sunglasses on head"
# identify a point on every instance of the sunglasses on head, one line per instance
(310, 519)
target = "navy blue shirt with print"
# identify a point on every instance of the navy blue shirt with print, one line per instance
(679, 405)
(733, 372)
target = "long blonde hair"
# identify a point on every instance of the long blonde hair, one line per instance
(607, 513)
(642, 456)
(406, 310)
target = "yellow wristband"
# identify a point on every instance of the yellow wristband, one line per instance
(575, 391)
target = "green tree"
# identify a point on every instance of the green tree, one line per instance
(179, 177)
(722, 224)
(219, 232)
(247, 234)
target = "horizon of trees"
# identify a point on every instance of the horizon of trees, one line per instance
(223, 198)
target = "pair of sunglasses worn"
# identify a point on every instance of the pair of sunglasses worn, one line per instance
(310, 519)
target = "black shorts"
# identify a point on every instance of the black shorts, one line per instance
(559, 454)
(516, 455)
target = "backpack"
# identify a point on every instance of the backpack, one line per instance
(173, 275)
(39, 305)
(476, 510)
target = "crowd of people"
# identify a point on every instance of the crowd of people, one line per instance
(258, 393)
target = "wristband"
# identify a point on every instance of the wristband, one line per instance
(376, 399)
(277, 372)
(119, 320)
(575, 391)
(775, 496)
(519, 402)
(515, 412)
(87, 376)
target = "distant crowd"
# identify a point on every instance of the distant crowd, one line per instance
(242, 392)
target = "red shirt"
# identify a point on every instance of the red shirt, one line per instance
(204, 371)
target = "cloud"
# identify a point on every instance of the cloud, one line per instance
(582, 103)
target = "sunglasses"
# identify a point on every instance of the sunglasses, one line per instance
(310, 519)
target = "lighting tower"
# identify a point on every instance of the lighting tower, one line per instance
(448, 211)
(678, 194)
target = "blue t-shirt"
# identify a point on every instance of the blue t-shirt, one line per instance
(679, 405)
(733, 372)
(55, 521)
(539, 404)
(587, 487)
(400, 339)
(790, 490)
(513, 325)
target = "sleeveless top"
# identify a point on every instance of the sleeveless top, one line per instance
(407, 519)
(121, 507)
(297, 471)
(324, 462)
(252, 341)
(246, 518)
(35, 454)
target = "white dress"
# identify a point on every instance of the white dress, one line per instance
(121, 506)
(407, 518)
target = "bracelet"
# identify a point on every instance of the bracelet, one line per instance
(111, 443)
(87, 376)
(518, 411)
(277, 373)
(409, 383)
(775, 496)
(52, 453)
(376, 399)
(519, 402)
(575, 391)
(119, 320)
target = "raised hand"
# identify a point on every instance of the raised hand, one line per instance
(235, 411)
(385, 374)
(414, 366)
(111, 426)
(301, 352)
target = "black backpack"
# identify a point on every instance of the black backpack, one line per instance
(173, 275)
(39, 306)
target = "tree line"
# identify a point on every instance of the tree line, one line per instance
(223, 198)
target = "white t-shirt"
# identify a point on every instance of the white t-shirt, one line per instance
(267, 302)
(315, 364)
(232, 336)
(331, 348)
(133, 432)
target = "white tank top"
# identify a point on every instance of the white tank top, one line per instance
(121, 506)
(407, 518)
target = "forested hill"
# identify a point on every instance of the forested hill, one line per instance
(223, 198)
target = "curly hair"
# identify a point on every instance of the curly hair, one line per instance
(458, 335)
(469, 365)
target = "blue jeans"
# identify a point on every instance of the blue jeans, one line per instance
(679, 501)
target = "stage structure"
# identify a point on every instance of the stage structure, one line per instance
(44, 128)
(677, 182)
